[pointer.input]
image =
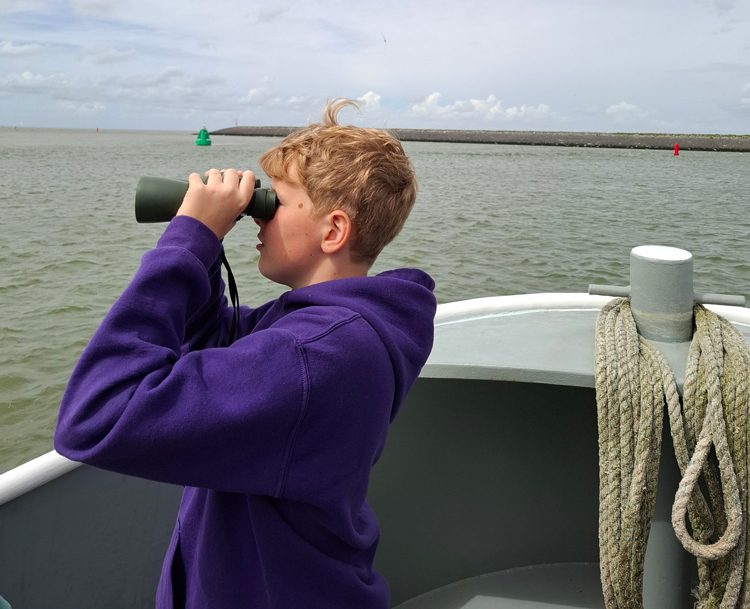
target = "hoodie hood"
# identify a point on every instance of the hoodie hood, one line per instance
(399, 305)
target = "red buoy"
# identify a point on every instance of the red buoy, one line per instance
(97, 130)
(676, 149)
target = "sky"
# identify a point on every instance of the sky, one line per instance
(676, 66)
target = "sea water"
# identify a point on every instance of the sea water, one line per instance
(489, 220)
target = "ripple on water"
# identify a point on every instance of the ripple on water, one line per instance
(24, 282)
(61, 265)
(11, 382)
(69, 309)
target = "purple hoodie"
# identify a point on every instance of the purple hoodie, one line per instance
(273, 437)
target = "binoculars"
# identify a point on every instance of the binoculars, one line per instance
(158, 199)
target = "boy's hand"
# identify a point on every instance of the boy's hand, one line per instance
(220, 201)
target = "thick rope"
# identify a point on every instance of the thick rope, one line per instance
(710, 435)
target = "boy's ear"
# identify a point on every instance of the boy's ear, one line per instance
(338, 228)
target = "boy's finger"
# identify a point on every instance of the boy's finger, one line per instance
(194, 179)
(247, 185)
(214, 177)
(231, 178)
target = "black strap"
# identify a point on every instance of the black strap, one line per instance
(235, 297)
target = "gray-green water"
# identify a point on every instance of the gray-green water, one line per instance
(489, 220)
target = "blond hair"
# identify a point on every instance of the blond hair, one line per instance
(363, 172)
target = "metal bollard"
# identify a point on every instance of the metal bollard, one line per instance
(661, 292)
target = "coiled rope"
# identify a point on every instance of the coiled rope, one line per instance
(709, 430)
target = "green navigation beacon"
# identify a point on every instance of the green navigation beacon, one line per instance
(203, 138)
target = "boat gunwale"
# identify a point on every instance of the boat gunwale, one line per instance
(490, 306)
(50, 466)
(33, 474)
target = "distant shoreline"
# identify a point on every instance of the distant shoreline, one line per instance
(652, 141)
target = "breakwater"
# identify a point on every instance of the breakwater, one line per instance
(653, 141)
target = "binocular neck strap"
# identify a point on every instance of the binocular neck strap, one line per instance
(235, 297)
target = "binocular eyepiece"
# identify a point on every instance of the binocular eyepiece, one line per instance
(158, 199)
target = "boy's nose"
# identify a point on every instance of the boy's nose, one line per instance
(260, 221)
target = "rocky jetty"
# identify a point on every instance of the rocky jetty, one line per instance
(656, 141)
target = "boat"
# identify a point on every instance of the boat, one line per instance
(203, 138)
(486, 493)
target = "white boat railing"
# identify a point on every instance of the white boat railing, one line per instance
(33, 474)
(498, 305)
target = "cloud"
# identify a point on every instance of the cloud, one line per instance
(526, 54)
(93, 7)
(266, 97)
(106, 55)
(263, 94)
(625, 112)
(168, 90)
(10, 6)
(531, 112)
(337, 38)
(370, 102)
(30, 82)
(85, 108)
(489, 109)
(267, 15)
(204, 80)
(723, 7)
(8, 47)
(149, 82)
(718, 67)
(746, 100)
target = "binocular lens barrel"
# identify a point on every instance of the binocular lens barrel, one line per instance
(158, 199)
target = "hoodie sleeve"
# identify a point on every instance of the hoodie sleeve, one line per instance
(219, 418)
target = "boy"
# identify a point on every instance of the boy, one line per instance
(274, 436)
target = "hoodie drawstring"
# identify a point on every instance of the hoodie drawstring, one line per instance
(235, 297)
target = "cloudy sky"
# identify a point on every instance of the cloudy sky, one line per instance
(680, 66)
